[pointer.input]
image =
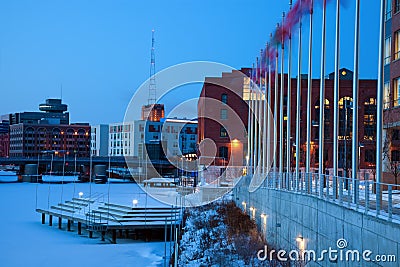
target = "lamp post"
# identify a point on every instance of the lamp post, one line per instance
(322, 101)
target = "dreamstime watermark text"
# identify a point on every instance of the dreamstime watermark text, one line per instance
(333, 254)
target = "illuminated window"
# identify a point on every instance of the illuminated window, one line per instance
(223, 132)
(386, 95)
(388, 50)
(327, 119)
(396, 92)
(370, 119)
(396, 45)
(345, 118)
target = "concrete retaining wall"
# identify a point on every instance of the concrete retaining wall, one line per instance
(291, 215)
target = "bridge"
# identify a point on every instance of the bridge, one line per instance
(114, 161)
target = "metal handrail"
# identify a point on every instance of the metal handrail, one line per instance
(352, 193)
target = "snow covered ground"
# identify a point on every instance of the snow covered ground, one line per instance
(24, 241)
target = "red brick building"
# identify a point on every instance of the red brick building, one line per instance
(31, 140)
(222, 117)
(33, 133)
(391, 116)
(4, 138)
(4, 144)
(235, 100)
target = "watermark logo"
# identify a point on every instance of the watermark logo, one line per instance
(332, 254)
(341, 243)
(217, 169)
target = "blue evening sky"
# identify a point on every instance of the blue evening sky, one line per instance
(99, 51)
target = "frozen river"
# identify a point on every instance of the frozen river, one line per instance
(26, 242)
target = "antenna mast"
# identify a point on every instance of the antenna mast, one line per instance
(152, 86)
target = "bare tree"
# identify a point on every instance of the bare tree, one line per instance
(392, 165)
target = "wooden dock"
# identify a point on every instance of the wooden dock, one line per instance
(108, 218)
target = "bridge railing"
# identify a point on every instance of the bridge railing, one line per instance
(379, 199)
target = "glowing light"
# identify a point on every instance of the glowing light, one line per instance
(302, 243)
(80, 194)
(135, 202)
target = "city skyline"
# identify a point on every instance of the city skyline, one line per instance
(99, 55)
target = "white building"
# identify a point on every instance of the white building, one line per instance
(179, 136)
(121, 139)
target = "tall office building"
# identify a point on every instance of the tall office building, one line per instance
(391, 115)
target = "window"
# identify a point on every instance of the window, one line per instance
(327, 117)
(154, 128)
(224, 114)
(344, 155)
(224, 98)
(388, 9)
(345, 118)
(396, 5)
(370, 119)
(388, 49)
(396, 45)
(386, 95)
(223, 152)
(396, 92)
(395, 155)
(223, 132)
(396, 134)
(370, 156)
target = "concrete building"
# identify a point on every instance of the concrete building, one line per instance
(233, 101)
(391, 116)
(179, 136)
(34, 133)
(121, 139)
(99, 140)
